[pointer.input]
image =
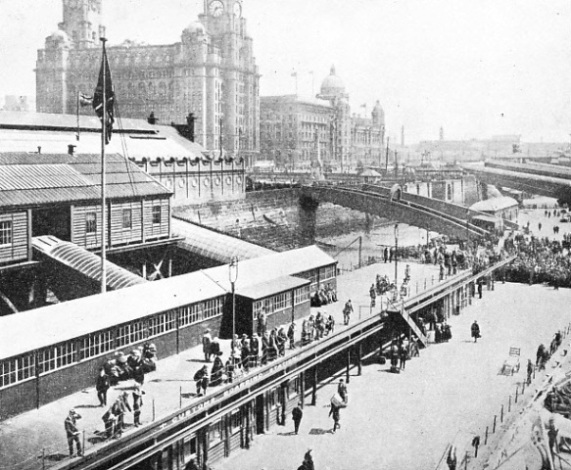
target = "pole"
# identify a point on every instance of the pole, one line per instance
(387, 158)
(360, 251)
(232, 345)
(396, 255)
(103, 178)
(77, 115)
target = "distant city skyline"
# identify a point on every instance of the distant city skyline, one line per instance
(476, 68)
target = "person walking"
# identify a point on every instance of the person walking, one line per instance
(262, 323)
(296, 415)
(386, 254)
(347, 311)
(342, 390)
(403, 355)
(102, 386)
(475, 330)
(334, 412)
(480, 287)
(206, 341)
(72, 432)
(137, 404)
(451, 461)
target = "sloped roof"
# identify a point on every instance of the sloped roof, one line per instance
(31, 179)
(273, 287)
(213, 245)
(494, 204)
(256, 271)
(133, 138)
(61, 322)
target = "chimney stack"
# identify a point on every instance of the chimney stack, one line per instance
(39, 149)
(70, 149)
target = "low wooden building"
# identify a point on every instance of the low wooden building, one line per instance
(60, 195)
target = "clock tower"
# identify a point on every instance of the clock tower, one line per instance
(82, 22)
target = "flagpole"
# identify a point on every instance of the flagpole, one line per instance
(77, 115)
(103, 178)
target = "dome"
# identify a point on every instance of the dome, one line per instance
(196, 27)
(332, 85)
(59, 36)
(378, 108)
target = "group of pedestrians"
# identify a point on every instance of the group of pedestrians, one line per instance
(316, 328)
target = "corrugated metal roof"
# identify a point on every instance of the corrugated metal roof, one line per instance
(61, 322)
(212, 245)
(85, 262)
(35, 179)
(18, 177)
(272, 287)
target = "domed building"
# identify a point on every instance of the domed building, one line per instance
(211, 73)
(300, 133)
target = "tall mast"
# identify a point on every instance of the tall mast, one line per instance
(103, 178)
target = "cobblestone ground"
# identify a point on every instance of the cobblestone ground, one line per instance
(405, 421)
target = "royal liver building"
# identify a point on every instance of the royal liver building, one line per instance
(211, 72)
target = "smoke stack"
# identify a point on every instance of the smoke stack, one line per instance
(39, 149)
(70, 149)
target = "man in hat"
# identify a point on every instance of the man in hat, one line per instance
(137, 404)
(72, 432)
(206, 340)
(291, 335)
(296, 415)
(347, 311)
(254, 350)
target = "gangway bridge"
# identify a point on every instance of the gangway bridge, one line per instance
(427, 213)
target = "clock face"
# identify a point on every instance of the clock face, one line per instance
(238, 9)
(216, 8)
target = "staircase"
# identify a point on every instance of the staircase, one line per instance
(399, 308)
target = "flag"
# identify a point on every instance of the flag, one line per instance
(85, 100)
(104, 79)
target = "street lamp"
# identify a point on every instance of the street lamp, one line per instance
(396, 253)
(233, 276)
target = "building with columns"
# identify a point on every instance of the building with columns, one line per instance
(211, 73)
(298, 133)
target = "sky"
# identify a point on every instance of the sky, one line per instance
(477, 68)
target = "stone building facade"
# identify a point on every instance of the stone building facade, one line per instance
(298, 133)
(211, 72)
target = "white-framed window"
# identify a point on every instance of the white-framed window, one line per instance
(328, 272)
(26, 367)
(235, 420)
(8, 372)
(6, 232)
(47, 359)
(215, 433)
(66, 353)
(156, 214)
(212, 308)
(90, 222)
(96, 343)
(130, 333)
(161, 323)
(191, 314)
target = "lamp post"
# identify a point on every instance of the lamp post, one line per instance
(233, 276)
(396, 254)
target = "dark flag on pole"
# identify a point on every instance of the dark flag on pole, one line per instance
(104, 83)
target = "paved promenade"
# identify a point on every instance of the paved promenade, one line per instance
(453, 390)
(38, 435)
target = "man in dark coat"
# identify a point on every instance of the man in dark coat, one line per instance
(475, 329)
(72, 432)
(102, 385)
(137, 404)
(296, 415)
(342, 389)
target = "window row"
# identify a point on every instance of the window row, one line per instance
(58, 356)
(126, 220)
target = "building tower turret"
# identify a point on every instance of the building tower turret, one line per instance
(82, 22)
